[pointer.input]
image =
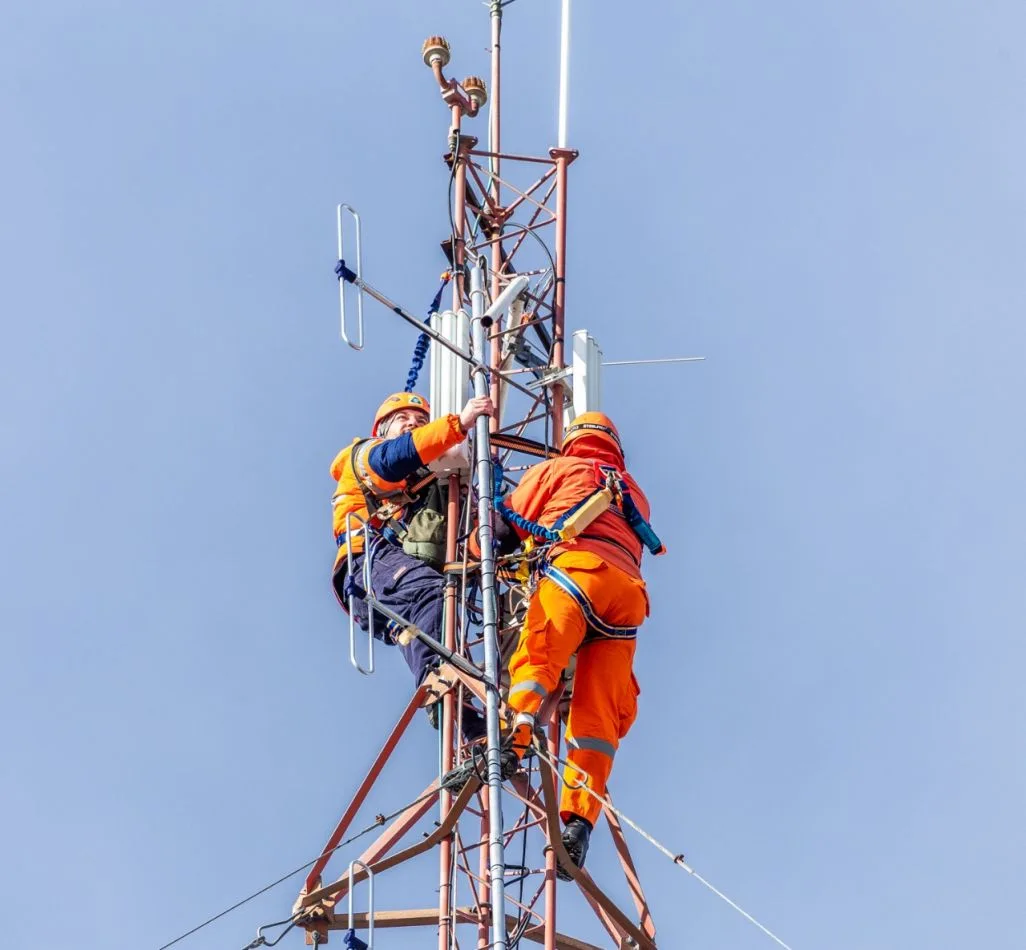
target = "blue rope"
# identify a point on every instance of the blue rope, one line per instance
(420, 349)
(498, 477)
(531, 527)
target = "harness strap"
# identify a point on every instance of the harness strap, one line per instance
(399, 497)
(597, 627)
(387, 532)
(382, 512)
(629, 510)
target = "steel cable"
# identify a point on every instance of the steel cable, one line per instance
(378, 822)
(678, 859)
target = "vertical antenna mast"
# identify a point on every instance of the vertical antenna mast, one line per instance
(564, 71)
(495, 192)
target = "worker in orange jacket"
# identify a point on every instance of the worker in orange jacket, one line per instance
(590, 600)
(384, 480)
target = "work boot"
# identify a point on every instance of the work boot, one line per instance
(434, 712)
(455, 779)
(576, 835)
(474, 727)
(474, 724)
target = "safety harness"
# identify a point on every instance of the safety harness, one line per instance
(611, 493)
(421, 536)
(423, 533)
(597, 627)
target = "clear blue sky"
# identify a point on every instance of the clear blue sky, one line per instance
(826, 200)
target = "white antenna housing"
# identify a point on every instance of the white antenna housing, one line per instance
(586, 369)
(450, 379)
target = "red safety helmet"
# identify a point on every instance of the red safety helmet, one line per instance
(595, 425)
(394, 403)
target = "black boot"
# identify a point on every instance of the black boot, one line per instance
(474, 726)
(576, 835)
(455, 779)
(473, 720)
(434, 711)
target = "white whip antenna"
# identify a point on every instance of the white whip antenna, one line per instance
(671, 359)
(564, 71)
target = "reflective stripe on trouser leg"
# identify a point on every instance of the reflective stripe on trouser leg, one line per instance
(529, 686)
(602, 711)
(553, 630)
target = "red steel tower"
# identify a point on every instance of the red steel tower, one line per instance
(504, 335)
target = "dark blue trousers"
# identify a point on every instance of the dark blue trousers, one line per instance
(411, 588)
(415, 591)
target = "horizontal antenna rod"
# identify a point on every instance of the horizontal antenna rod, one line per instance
(672, 359)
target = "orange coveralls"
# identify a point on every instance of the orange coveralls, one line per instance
(605, 564)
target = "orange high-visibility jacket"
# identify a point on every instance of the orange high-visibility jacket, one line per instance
(550, 489)
(401, 456)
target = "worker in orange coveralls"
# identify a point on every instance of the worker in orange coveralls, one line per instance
(384, 479)
(590, 600)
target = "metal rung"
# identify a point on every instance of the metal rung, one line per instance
(358, 345)
(350, 535)
(374, 606)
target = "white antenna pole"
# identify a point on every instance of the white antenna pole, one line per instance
(564, 71)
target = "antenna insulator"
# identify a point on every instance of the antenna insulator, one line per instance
(474, 86)
(435, 49)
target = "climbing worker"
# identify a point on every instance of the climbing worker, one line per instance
(590, 599)
(384, 480)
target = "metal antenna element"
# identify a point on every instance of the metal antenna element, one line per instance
(671, 359)
(564, 71)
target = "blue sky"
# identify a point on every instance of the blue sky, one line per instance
(827, 201)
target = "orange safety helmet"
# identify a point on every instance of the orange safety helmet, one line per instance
(398, 401)
(596, 425)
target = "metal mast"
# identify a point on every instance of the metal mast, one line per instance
(507, 250)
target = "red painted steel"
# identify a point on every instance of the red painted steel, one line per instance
(365, 786)
(447, 724)
(509, 234)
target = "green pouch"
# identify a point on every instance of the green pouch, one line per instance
(424, 537)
